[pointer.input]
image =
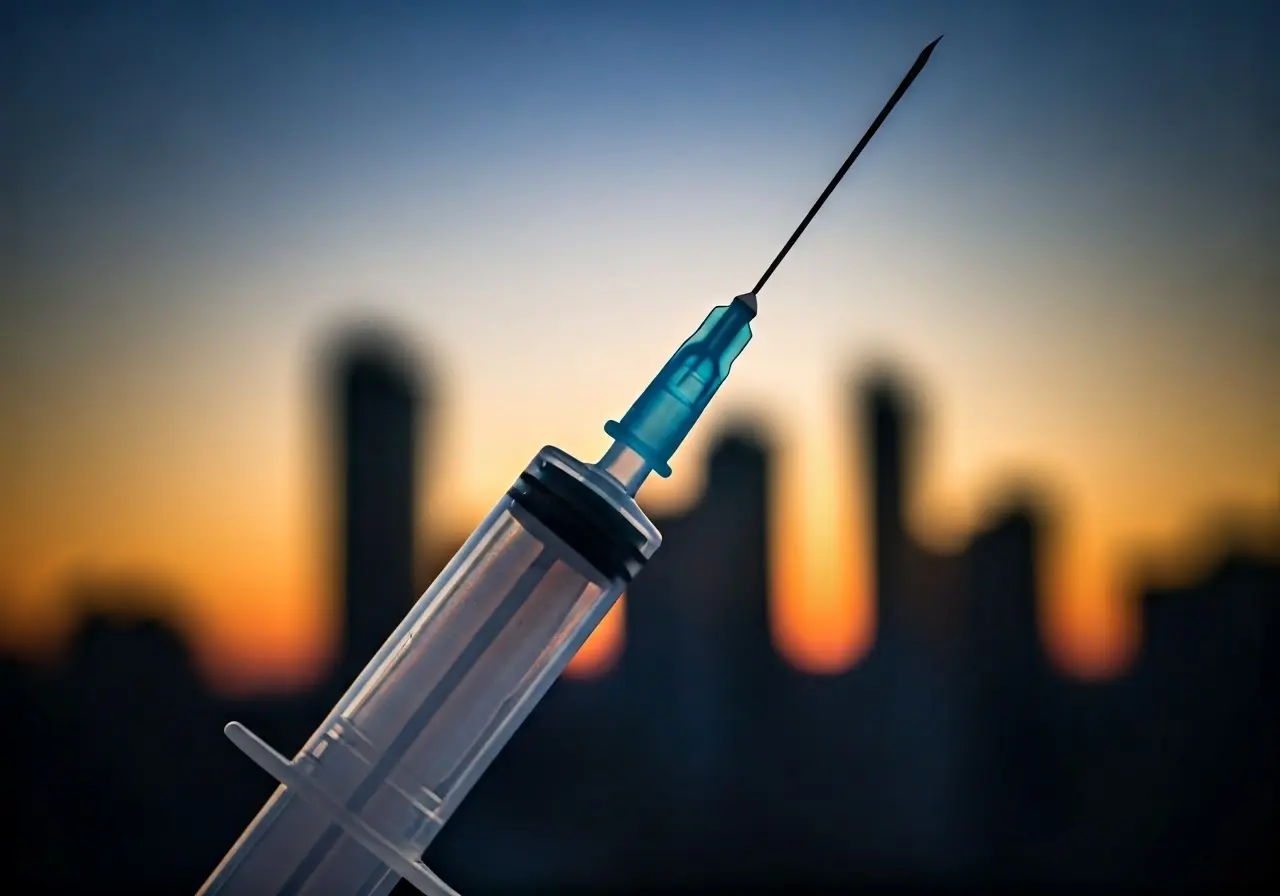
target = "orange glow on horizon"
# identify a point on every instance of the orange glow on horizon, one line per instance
(253, 594)
(822, 613)
(604, 648)
(822, 617)
(1085, 625)
(820, 623)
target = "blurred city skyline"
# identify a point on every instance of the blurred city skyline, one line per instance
(952, 755)
(1064, 234)
(139, 593)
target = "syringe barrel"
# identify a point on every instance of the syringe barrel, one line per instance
(460, 673)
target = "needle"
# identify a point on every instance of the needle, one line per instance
(857, 150)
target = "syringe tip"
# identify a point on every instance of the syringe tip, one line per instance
(925, 54)
(749, 300)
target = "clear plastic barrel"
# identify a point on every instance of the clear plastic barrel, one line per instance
(441, 697)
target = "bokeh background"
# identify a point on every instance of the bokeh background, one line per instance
(971, 573)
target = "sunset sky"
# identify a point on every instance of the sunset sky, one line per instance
(1065, 234)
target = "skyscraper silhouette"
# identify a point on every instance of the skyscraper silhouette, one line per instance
(917, 696)
(734, 516)
(1017, 777)
(733, 579)
(887, 422)
(378, 398)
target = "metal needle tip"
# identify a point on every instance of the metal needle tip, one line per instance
(857, 150)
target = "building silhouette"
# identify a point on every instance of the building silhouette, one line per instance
(1018, 774)
(377, 417)
(917, 684)
(888, 424)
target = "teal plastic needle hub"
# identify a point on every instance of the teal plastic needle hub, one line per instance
(664, 413)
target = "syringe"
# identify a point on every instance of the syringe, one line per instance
(371, 788)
